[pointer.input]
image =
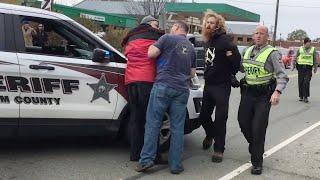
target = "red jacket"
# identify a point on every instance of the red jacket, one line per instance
(139, 67)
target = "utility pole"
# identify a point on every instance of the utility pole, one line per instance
(275, 25)
(191, 29)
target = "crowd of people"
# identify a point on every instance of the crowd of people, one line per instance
(158, 72)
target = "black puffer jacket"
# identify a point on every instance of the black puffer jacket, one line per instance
(219, 66)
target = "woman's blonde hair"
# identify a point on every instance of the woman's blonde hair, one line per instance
(220, 23)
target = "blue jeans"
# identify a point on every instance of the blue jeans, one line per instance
(165, 99)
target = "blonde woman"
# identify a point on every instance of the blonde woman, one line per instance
(222, 63)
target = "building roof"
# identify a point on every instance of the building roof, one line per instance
(102, 17)
(113, 7)
(231, 13)
(243, 28)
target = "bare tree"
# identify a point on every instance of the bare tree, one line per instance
(146, 7)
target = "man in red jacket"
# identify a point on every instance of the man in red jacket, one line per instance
(139, 77)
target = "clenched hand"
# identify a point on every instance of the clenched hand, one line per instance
(275, 98)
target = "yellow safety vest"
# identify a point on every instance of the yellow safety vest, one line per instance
(305, 58)
(255, 73)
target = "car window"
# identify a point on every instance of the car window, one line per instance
(2, 40)
(51, 37)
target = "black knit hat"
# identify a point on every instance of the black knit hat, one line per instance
(306, 40)
(147, 19)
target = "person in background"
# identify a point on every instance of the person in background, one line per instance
(306, 60)
(28, 33)
(41, 37)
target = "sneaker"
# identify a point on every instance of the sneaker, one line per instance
(207, 142)
(143, 167)
(217, 157)
(256, 170)
(301, 99)
(177, 171)
(306, 100)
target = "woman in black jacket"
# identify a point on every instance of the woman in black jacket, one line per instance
(222, 63)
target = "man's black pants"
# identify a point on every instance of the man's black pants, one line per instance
(304, 78)
(139, 93)
(253, 117)
(216, 96)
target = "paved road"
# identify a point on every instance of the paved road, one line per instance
(91, 158)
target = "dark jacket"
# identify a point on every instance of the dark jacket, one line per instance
(219, 66)
(40, 39)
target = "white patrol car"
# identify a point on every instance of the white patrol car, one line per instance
(66, 81)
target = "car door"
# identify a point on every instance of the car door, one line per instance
(66, 86)
(9, 69)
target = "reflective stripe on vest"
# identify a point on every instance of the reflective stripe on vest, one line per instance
(305, 58)
(255, 73)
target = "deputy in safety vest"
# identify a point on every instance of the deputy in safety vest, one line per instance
(264, 81)
(306, 59)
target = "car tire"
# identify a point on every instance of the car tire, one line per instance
(164, 137)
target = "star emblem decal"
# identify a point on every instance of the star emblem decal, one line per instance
(102, 89)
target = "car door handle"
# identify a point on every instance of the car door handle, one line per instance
(41, 67)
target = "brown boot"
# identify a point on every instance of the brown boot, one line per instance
(217, 157)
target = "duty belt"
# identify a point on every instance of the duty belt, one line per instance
(260, 89)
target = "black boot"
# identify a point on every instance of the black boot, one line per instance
(256, 170)
(207, 142)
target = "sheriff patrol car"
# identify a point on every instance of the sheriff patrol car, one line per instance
(70, 83)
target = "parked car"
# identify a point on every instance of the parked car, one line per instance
(73, 85)
(197, 42)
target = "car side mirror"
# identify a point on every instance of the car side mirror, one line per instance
(101, 56)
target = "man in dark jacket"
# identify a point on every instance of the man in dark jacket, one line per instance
(222, 63)
(139, 77)
(41, 37)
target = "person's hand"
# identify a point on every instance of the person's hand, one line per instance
(275, 98)
(234, 82)
(315, 70)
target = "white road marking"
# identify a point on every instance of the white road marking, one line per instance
(276, 148)
(292, 75)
